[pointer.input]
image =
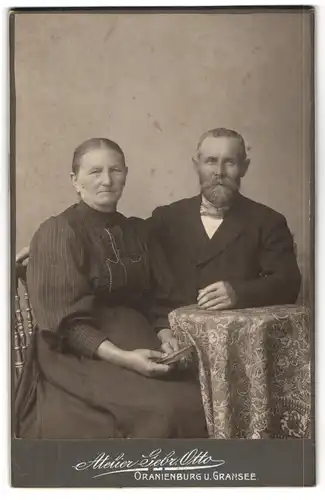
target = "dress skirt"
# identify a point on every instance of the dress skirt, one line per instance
(63, 396)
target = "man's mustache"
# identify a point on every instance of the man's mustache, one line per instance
(218, 181)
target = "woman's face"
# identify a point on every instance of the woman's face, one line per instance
(101, 178)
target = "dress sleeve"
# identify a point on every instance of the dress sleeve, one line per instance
(59, 290)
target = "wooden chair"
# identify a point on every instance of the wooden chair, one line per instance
(23, 321)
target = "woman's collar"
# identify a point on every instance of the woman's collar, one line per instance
(98, 217)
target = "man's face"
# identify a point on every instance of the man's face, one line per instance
(220, 166)
(101, 178)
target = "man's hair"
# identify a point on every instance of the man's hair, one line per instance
(224, 132)
(90, 144)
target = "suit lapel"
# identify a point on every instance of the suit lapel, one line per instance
(194, 235)
(229, 230)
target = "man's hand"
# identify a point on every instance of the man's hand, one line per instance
(217, 296)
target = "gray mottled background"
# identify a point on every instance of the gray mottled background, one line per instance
(153, 83)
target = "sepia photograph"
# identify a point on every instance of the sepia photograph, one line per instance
(162, 229)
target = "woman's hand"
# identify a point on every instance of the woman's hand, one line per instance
(170, 346)
(169, 343)
(143, 361)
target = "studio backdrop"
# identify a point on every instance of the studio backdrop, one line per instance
(154, 83)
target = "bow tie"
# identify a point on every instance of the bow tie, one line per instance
(207, 208)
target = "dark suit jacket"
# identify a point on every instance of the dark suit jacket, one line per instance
(252, 250)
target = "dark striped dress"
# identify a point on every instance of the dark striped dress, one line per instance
(94, 276)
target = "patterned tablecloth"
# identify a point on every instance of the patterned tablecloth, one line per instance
(254, 369)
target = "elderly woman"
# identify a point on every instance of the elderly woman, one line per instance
(93, 369)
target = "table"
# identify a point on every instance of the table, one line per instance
(254, 369)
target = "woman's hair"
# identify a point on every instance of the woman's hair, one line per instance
(90, 144)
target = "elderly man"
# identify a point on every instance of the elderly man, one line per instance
(225, 250)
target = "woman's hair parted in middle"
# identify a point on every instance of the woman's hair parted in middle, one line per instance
(94, 143)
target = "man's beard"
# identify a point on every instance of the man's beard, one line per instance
(220, 191)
